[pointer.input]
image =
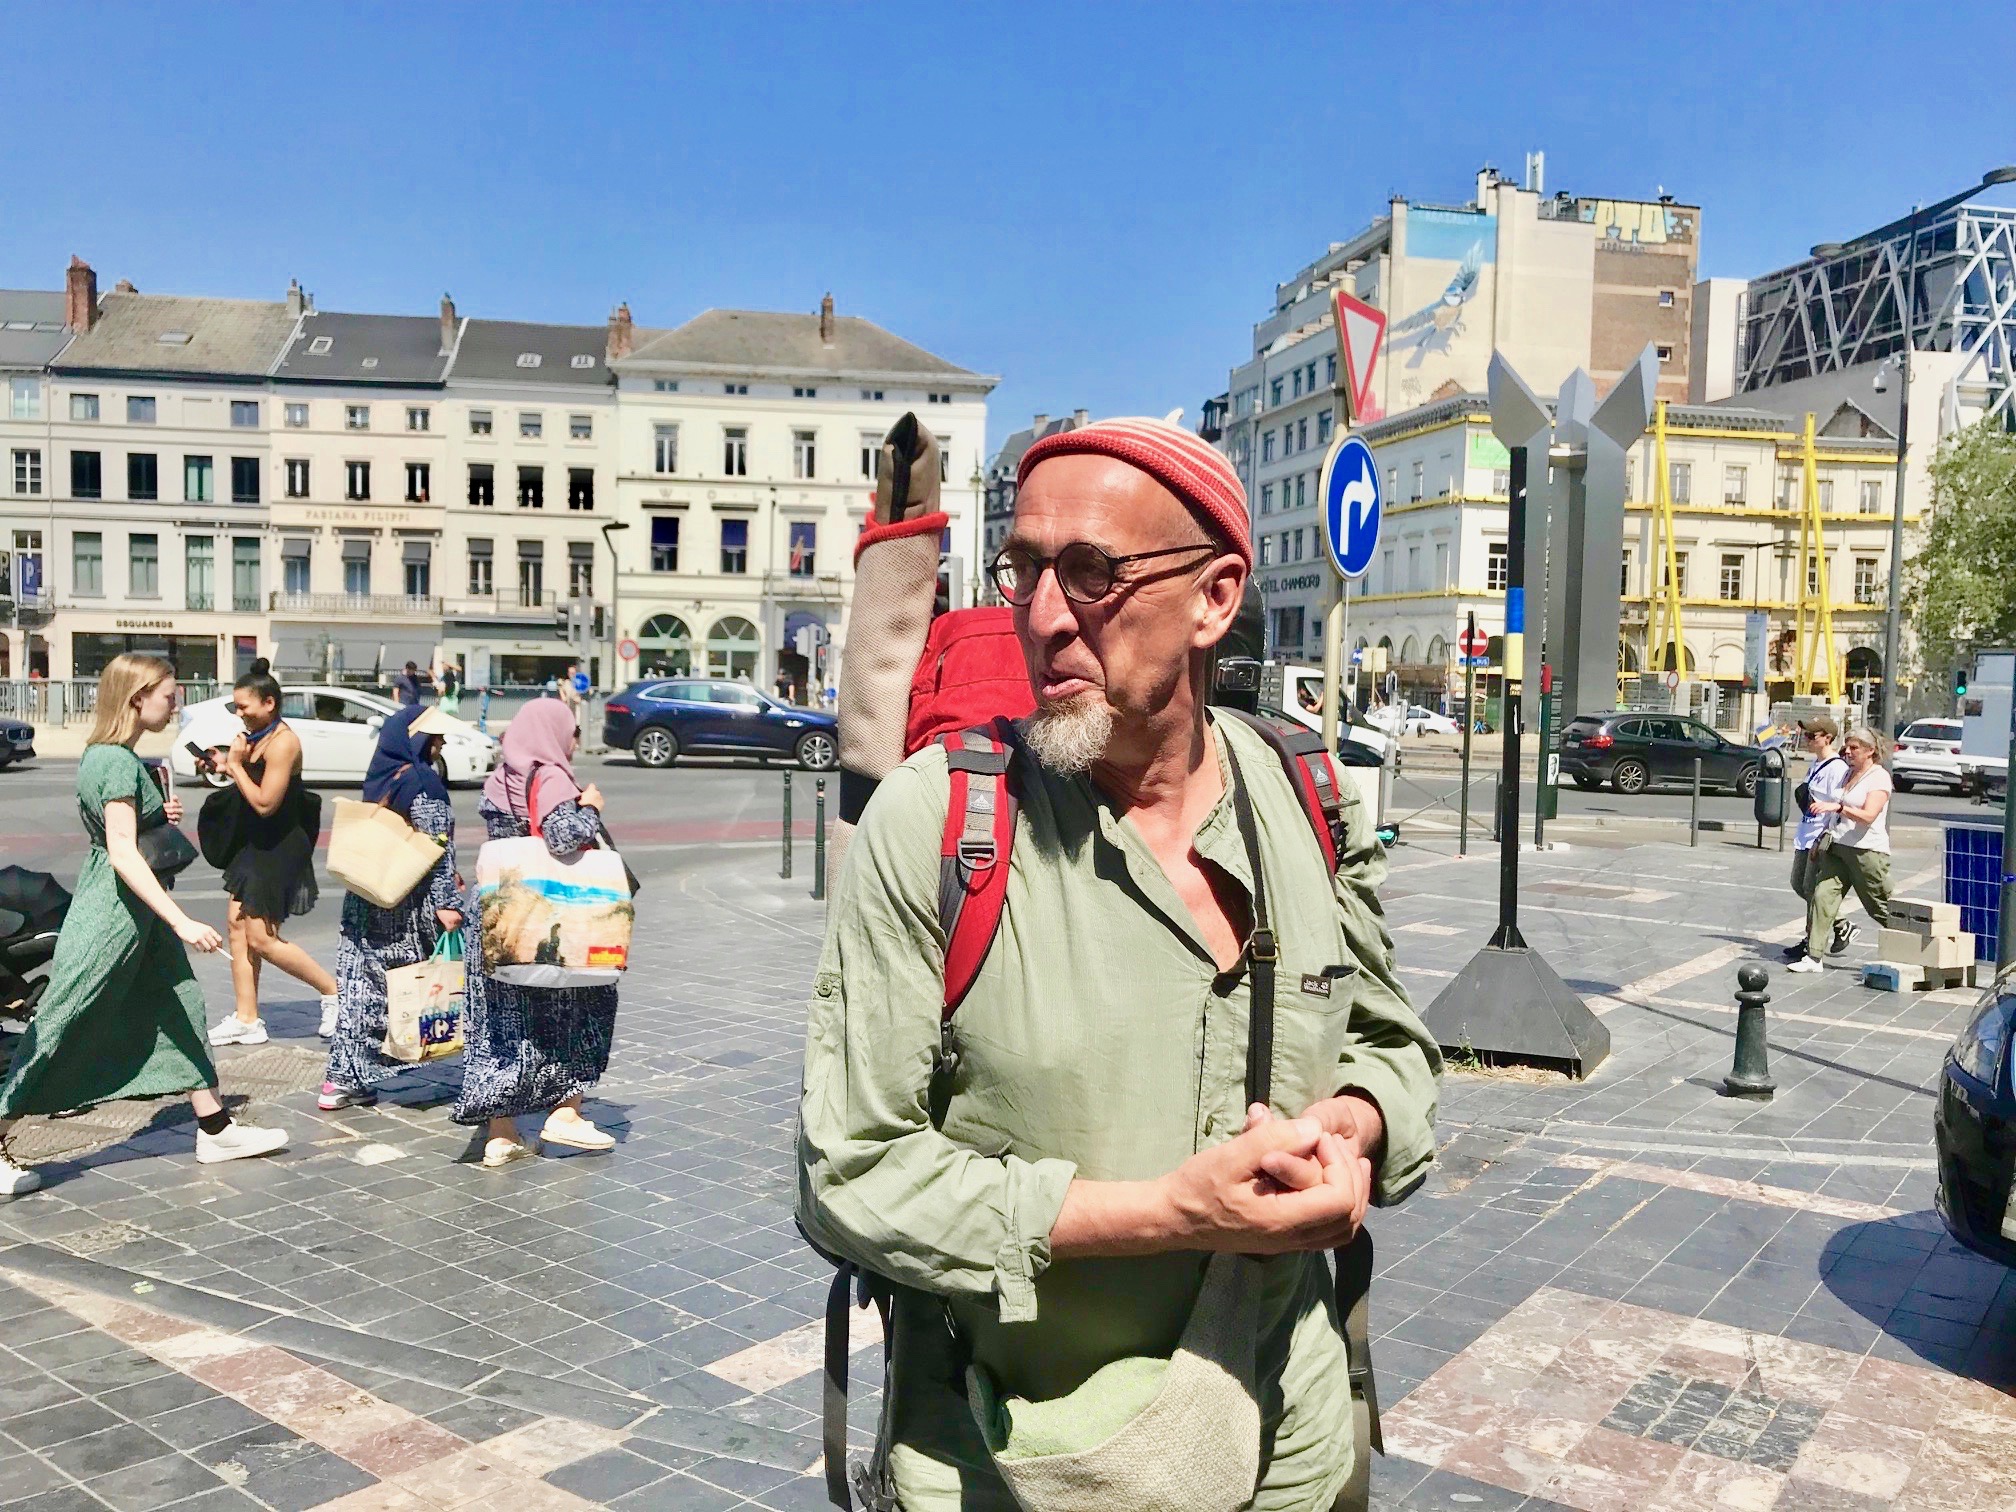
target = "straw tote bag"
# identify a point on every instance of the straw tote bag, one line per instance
(377, 854)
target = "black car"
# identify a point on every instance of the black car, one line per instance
(1974, 1128)
(17, 742)
(1633, 752)
(666, 718)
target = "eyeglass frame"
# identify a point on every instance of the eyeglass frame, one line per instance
(1048, 563)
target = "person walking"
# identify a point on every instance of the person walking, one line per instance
(406, 686)
(1826, 775)
(449, 686)
(376, 940)
(271, 876)
(535, 1049)
(123, 1013)
(1854, 851)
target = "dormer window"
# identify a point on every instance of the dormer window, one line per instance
(319, 347)
(172, 338)
(582, 360)
(528, 359)
(369, 362)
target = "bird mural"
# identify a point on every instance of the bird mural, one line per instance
(1434, 327)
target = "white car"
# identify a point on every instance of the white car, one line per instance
(338, 728)
(1928, 755)
(1413, 720)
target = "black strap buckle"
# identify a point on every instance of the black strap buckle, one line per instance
(1264, 948)
(948, 1052)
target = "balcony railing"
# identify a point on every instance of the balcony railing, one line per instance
(369, 605)
(503, 601)
(803, 585)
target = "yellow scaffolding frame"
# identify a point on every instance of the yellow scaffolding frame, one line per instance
(1814, 598)
(1666, 633)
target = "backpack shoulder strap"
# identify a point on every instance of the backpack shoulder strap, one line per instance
(973, 859)
(1314, 775)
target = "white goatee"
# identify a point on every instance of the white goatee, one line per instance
(1069, 735)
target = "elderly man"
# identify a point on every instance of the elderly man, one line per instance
(1053, 1195)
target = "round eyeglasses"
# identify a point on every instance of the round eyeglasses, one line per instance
(1085, 573)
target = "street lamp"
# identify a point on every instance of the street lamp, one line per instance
(1827, 251)
(615, 595)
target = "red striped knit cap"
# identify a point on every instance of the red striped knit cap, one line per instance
(1182, 462)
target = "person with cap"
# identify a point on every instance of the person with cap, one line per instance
(1056, 1170)
(1826, 776)
(1853, 851)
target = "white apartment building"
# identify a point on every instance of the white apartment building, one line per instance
(746, 467)
(32, 332)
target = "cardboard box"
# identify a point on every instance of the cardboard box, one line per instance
(1924, 916)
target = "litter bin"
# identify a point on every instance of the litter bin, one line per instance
(1974, 881)
(1768, 802)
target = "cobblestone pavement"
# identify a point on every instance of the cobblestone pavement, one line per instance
(1625, 1292)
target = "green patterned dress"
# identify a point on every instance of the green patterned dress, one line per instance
(123, 1016)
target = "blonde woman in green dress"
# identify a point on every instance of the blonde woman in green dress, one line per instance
(123, 1016)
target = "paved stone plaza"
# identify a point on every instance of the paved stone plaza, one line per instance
(1626, 1293)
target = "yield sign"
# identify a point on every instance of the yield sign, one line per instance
(1361, 332)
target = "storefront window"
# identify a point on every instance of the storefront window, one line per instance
(732, 649)
(664, 646)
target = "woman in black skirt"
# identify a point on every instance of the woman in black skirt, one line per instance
(271, 874)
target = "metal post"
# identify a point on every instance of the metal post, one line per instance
(819, 839)
(1333, 667)
(1507, 935)
(1784, 804)
(786, 872)
(2005, 926)
(1750, 1076)
(1694, 807)
(1469, 724)
(1540, 756)
(1890, 618)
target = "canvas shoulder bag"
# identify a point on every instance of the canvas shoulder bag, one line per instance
(377, 854)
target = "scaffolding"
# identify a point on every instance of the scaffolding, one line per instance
(1814, 601)
(1666, 639)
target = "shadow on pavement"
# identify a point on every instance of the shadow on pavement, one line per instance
(1950, 1307)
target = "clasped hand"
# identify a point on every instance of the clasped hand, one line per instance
(1281, 1186)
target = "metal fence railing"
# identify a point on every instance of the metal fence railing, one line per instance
(41, 701)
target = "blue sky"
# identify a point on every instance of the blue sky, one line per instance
(1093, 201)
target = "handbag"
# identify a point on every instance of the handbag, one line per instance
(552, 921)
(166, 850)
(423, 1004)
(220, 826)
(377, 854)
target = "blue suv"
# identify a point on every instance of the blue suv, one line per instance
(666, 718)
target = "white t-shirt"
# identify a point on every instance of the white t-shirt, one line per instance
(1875, 835)
(1824, 782)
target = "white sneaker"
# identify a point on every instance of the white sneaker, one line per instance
(576, 1133)
(329, 1005)
(501, 1152)
(235, 1031)
(238, 1142)
(16, 1179)
(1805, 963)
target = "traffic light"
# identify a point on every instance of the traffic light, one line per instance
(1959, 682)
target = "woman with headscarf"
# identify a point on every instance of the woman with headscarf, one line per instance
(402, 776)
(535, 1049)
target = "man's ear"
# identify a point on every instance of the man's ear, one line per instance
(1219, 595)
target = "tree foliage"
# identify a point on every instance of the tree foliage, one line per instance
(1960, 585)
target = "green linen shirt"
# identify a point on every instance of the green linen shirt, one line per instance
(1099, 1041)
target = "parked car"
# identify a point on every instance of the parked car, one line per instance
(1413, 719)
(1633, 752)
(1974, 1127)
(1928, 755)
(338, 728)
(661, 720)
(17, 742)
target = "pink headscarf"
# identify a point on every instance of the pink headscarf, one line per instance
(539, 738)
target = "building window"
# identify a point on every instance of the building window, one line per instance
(1665, 353)
(1267, 446)
(356, 417)
(735, 388)
(87, 562)
(24, 398)
(419, 482)
(198, 486)
(1865, 581)
(357, 480)
(1420, 473)
(1624, 575)
(1665, 299)
(531, 488)
(244, 414)
(482, 581)
(580, 488)
(244, 573)
(665, 448)
(482, 485)
(581, 569)
(199, 572)
(1680, 479)
(873, 396)
(1302, 434)
(1813, 574)
(143, 476)
(938, 398)
(297, 477)
(1730, 588)
(1266, 551)
(1501, 483)
(804, 454)
(664, 543)
(419, 573)
(1266, 498)
(1497, 566)
(295, 572)
(1324, 420)
(86, 482)
(531, 424)
(804, 393)
(1330, 370)
(140, 409)
(418, 418)
(83, 406)
(357, 568)
(1295, 385)
(1301, 489)
(581, 427)
(1872, 497)
(1678, 574)
(1274, 391)
(296, 416)
(28, 472)
(1736, 486)
(529, 359)
(143, 566)
(1825, 488)
(804, 548)
(480, 423)
(665, 385)
(735, 452)
(531, 574)
(244, 480)
(1288, 627)
(734, 545)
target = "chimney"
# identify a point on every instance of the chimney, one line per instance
(297, 298)
(125, 286)
(1036, 427)
(80, 296)
(1080, 418)
(448, 325)
(826, 320)
(622, 334)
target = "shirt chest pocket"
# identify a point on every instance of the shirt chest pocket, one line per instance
(1312, 1022)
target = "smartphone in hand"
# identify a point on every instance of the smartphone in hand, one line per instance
(203, 759)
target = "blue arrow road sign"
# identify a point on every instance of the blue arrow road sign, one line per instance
(1351, 506)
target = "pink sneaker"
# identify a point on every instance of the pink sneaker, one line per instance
(334, 1098)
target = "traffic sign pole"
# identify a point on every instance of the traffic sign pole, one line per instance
(1336, 619)
(1507, 936)
(1469, 725)
(1352, 510)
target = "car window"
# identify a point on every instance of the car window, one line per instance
(1932, 729)
(1629, 729)
(735, 693)
(1702, 736)
(294, 705)
(1583, 726)
(667, 692)
(345, 710)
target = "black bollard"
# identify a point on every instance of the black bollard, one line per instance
(1751, 1075)
(1694, 808)
(819, 840)
(786, 873)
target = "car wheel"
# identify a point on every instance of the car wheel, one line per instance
(656, 747)
(1629, 777)
(1902, 784)
(216, 779)
(1746, 782)
(441, 769)
(817, 752)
